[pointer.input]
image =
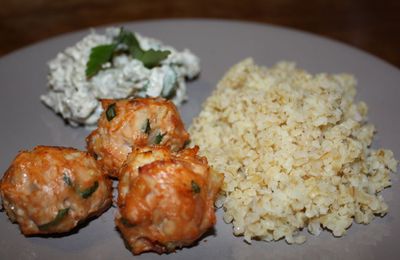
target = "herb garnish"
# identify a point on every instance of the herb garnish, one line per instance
(126, 222)
(186, 143)
(86, 193)
(67, 180)
(146, 127)
(89, 191)
(99, 55)
(127, 43)
(158, 138)
(195, 187)
(110, 112)
(170, 246)
(59, 217)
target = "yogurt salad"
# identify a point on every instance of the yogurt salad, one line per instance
(116, 64)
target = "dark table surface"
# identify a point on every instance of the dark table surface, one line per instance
(373, 26)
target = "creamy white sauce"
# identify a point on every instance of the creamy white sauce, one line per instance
(76, 98)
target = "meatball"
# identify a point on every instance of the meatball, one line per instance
(165, 199)
(52, 189)
(126, 124)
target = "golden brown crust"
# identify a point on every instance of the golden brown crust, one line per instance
(166, 200)
(54, 181)
(114, 139)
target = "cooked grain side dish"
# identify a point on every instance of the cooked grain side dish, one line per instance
(296, 152)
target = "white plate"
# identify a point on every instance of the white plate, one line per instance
(26, 122)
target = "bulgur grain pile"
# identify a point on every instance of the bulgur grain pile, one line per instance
(295, 151)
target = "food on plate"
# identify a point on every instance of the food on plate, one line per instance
(52, 189)
(165, 199)
(114, 65)
(129, 123)
(296, 152)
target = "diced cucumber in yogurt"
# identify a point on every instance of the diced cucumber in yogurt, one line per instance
(75, 96)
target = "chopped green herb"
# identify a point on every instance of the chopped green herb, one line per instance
(110, 112)
(158, 138)
(186, 143)
(195, 187)
(89, 191)
(170, 246)
(126, 222)
(60, 216)
(83, 193)
(67, 180)
(126, 42)
(99, 55)
(146, 127)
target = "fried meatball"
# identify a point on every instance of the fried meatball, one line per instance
(165, 199)
(52, 189)
(126, 124)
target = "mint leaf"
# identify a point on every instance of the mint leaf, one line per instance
(136, 52)
(99, 55)
(127, 42)
(127, 38)
(152, 58)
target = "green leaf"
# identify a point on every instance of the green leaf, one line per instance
(158, 138)
(146, 127)
(152, 58)
(126, 223)
(110, 112)
(59, 217)
(171, 246)
(99, 55)
(83, 193)
(136, 52)
(127, 38)
(67, 180)
(89, 191)
(149, 58)
(102, 54)
(195, 187)
(186, 143)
